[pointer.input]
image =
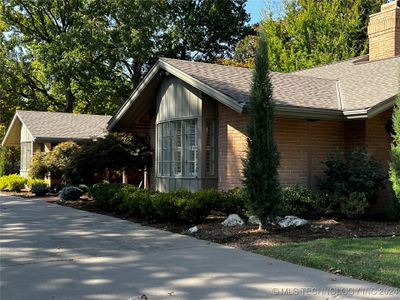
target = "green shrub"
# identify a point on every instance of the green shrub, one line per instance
(231, 202)
(393, 209)
(12, 182)
(165, 207)
(33, 181)
(299, 201)
(327, 204)
(177, 206)
(9, 160)
(70, 193)
(208, 198)
(60, 160)
(182, 205)
(132, 201)
(103, 193)
(354, 206)
(356, 172)
(40, 189)
(191, 210)
(84, 188)
(40, 165)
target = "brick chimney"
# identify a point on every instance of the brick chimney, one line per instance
(384, 32)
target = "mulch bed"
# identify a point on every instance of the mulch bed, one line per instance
(248, 237)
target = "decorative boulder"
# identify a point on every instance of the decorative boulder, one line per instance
(292, 221)
(253, 220)
(233, 220)
(193, 229)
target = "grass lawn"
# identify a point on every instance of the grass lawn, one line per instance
(375, 259)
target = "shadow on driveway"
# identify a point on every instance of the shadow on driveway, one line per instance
(55, 252)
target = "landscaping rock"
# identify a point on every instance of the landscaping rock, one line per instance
(253, 220)
(233, 220)
(292, 221)
(193, 229)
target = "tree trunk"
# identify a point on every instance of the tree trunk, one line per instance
(69, 96)
(137, 74)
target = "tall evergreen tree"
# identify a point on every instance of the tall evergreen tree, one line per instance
(395, 163)
(262, 162)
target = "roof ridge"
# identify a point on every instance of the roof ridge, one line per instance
(331, 63)
(293, 74)
(305, 76)
(61, 112)
(203, 62)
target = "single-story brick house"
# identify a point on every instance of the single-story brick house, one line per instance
(195, 113)
(40, 131)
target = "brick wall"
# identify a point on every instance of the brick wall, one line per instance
(378, 143)
(377, 139)
(232, 146)
(303, 146)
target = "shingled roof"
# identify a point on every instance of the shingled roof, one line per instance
(235, 82)
(363, 83)
(57, 126)
(355, 88)
(353, 84)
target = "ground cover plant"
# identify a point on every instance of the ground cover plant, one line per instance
(12, 183)
(372, 258)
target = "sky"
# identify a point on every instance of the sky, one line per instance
(256, 8)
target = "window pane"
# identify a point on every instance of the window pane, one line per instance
(210, 148)
(26, 155)
(177, 147)
(191, 148)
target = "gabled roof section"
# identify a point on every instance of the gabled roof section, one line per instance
(364, 85)
(355, 88)
(235, 82)
(56, 126)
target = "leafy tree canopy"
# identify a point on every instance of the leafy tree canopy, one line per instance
(86, 56)
(311, 33)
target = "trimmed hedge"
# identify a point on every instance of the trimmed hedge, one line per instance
(176, 206)
(12, 183)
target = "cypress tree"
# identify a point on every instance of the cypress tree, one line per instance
(261, 164)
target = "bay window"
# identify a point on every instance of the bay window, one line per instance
(178, 148)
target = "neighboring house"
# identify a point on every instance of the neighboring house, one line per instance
(195, 114)
(39, 131)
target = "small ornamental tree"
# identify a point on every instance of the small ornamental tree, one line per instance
(114, 152)
(261, 179)
(60, 160)
(395, 163)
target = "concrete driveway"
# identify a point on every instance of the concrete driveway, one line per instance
(54, 252)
